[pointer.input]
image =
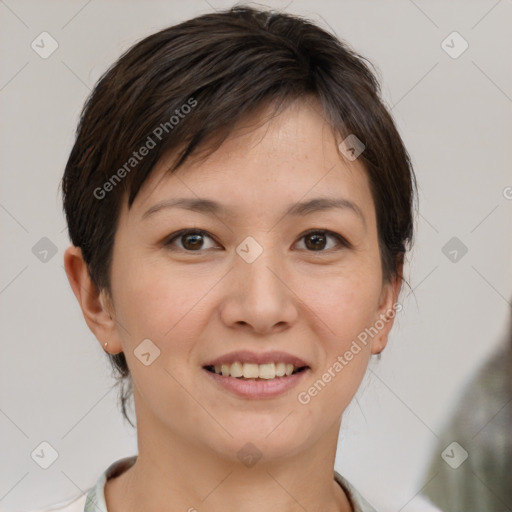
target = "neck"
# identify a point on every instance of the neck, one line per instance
(172, 474)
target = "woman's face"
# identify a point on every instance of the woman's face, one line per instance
(254, 282)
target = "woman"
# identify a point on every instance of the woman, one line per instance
(240, 204)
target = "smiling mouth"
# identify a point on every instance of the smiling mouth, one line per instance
(252, 371)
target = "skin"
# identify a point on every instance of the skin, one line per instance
(196, 306)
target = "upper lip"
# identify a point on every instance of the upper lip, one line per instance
(246, 356)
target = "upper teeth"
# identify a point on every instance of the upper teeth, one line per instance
(253, 371)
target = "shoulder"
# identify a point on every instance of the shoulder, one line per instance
(93, 500)
(359, 504)
(76, 505)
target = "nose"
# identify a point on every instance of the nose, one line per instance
(260, 296)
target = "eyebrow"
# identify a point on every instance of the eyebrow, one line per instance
(301, 209)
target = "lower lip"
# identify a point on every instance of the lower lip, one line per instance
(248, 388)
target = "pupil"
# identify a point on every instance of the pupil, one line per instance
(318, 241)
(195, 243)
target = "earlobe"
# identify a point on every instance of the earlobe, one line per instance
(95, 305)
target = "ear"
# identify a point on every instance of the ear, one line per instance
(387, 311)
(96, 306)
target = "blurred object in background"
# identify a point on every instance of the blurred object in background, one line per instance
(473, 459)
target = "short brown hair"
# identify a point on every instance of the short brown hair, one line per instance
(222, 66)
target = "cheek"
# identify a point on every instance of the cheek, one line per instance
(164, 306)
(344, 306)
(158, 301)
(344, 302)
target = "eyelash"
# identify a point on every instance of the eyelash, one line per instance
(178, 234)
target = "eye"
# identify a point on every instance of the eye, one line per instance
(318, 240)
(191, 240)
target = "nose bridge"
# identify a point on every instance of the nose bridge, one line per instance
(259, 296)
(258, 264)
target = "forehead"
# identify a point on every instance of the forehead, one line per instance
(266, 161)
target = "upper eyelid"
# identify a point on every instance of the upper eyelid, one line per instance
(182, 232)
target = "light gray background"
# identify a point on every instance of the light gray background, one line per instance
(454, 115)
